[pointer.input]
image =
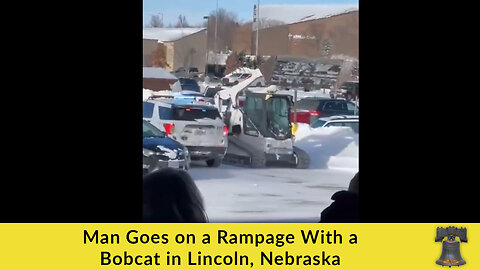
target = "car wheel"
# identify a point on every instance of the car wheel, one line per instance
(215, 162)
(301, 157)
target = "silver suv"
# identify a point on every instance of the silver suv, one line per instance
(337, 121)
(198, 126)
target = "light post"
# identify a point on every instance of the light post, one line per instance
(258, 27)
(206, 44)
(215, 45)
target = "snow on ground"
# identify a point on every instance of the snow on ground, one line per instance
(329, 148)
(235, 194)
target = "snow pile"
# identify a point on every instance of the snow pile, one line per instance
(148, 93)
(329, 148)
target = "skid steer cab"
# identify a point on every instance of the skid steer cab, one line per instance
(261, 130)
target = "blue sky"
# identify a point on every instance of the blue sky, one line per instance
(194, 10)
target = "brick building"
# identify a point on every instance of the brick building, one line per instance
(336, 34)
(182, 47)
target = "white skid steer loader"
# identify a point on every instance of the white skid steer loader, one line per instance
(260, 126)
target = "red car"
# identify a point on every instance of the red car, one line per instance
(311, 108)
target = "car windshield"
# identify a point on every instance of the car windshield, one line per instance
(192, 114)
(278, 117)
(318, 123)
(351, 107)
(352, 125)
(308, 104)
(245, 76)
(336, 105)
(189, 84)
(150, 130)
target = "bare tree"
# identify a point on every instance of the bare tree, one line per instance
(159, 57)
(326, 49)
(234, 61)
(227, 22)
(181, 22)
(155, 21)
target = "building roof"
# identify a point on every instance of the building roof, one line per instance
(298, 13)
(168, 34)
(157, 73)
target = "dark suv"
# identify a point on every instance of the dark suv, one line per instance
(324, 107)
(189, 84)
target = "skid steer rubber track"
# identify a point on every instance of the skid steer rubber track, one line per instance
(241, 154)
(303, 159)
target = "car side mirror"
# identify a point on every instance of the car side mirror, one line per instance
(236, 129)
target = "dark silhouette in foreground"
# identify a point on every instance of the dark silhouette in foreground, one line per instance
(345, 205)
(170, 195)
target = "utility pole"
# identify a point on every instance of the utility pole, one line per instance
(295, 106)
(215, 45)
(216, 23)
(258, 27)
(206, 44)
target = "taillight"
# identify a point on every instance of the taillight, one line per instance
(169, 128)
(225, 130)
(314, 113)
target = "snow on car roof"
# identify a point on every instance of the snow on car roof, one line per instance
(340, 117)
(157, 73)
(168, 34)
(298, 13)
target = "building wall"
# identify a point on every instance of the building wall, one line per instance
(242, 39)
(304, 39)
(169, 55)
(149, 45)
(341, 32)
(189, 51)
(272, 41)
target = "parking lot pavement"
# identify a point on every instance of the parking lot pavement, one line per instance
(235, 194)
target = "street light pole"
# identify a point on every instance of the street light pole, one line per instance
(206, 43)
(215, 45)
(216, 23)
(258, 28)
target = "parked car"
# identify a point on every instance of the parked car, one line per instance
(186, 85)
(161, 151)
(198, 126)
(337, 121)
(349, 89)
(235, 78)
(183, 72)
(312, 108)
